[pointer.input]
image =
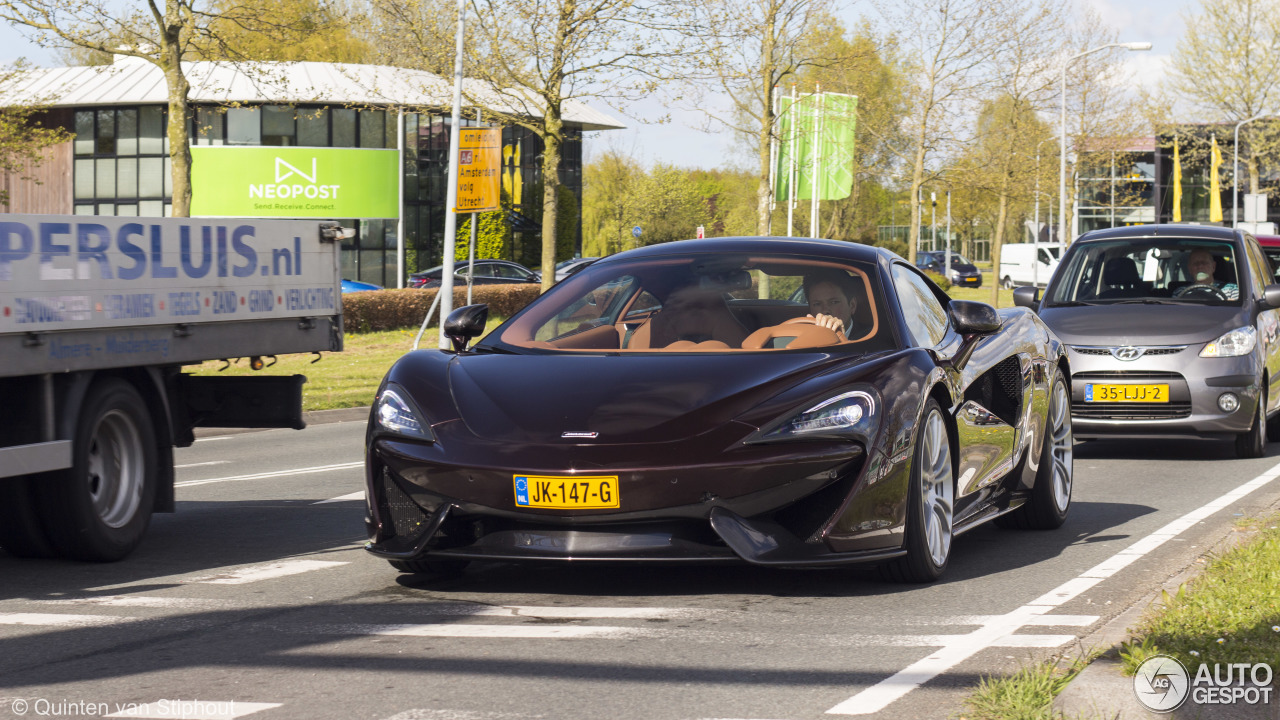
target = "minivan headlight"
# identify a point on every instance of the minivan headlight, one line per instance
(394, 413)
(1235, 343)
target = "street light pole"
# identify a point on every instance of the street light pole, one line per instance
(1235, 174)
(1062, 159)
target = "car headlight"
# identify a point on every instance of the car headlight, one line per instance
(845, 415)
(1240, 341)
(395, 414)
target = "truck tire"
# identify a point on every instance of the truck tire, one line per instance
(21, 532)
(99, 509)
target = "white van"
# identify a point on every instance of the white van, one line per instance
(1020, 264)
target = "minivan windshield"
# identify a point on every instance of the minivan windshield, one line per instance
(1148, 270)
(704, 303)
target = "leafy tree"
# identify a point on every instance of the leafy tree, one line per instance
(23, 141)
(493, 235)
(162, 33)
(610, 202)
(1228, 65)
(317, 31)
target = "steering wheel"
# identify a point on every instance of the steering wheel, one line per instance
(802, 320)
(1193, 291)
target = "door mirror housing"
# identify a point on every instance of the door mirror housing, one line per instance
(1271, 296)
(973, 318)
(465, 323)
(1028, 297)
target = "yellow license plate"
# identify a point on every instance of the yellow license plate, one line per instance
(580, 492)
(1097, 393)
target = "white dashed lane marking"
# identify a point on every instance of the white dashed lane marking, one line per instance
(343, 498)
(275, 474)
(201, 464)
(193, 710)
(257, 573)
(1001, 627)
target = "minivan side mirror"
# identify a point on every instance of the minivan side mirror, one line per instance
(1271, 296)
(465, 323)
(1029, 297)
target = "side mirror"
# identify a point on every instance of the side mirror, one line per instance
(1271, 296)
(973, 318)
(465, 323)
(1029, 297)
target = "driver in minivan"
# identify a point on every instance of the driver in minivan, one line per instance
(1200, 268)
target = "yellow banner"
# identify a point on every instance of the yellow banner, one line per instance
(479, 167)
(1177, 183)
(1215, 191)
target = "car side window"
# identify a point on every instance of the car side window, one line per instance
(1259, 266)
(924, 315)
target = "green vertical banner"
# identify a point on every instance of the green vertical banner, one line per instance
(818, 132)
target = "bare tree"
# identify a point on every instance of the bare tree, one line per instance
(1228, 65)
(751, 48)
(531, 57)
(162, 33)
(948, 44)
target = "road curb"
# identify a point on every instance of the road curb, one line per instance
(1102, 690)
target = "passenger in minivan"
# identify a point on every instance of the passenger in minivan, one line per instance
(1200, 268)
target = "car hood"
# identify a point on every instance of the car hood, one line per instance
(625, 399)
(1142, 324)
(964, 267)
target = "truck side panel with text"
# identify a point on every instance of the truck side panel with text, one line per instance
(97, 317)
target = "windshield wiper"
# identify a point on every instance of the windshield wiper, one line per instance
(1148, 301)
(1072, 303)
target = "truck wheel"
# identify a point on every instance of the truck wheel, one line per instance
(1007, 283)
(21, 532)
(99, 509)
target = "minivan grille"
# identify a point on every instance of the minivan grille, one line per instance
(1127, 375)
(1148, 352)
(1131, 411)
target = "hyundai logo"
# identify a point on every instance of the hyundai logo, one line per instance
(1128, 353)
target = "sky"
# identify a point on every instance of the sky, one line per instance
(680, 142)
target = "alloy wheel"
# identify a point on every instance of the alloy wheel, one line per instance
(937, 489)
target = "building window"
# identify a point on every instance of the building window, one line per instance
(278, 127)
(121, 162)
(344, 127)
(313, 127)
(244, 126)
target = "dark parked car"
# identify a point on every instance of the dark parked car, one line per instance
(488, 272)
(963, 272)
(654, 407)
(565, 268)
(1271, 248)
(1172, 331)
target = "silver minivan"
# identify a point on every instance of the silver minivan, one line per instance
(1171, 331)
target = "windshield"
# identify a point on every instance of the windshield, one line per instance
(1153, 270)
(704, 303)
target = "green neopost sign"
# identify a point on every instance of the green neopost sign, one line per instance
(294, 182)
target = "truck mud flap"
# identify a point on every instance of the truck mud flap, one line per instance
(271, 401)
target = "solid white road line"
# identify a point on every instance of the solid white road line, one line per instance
(343, 498)
(255, 573)
(59, 619)
(201, 464)
(424, 714)
(276, 474)
(218, 437)
(192, 710)
(879, 696)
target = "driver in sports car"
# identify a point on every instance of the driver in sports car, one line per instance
(831, 302)
(1200, 267)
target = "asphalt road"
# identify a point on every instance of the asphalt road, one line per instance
(257, 593)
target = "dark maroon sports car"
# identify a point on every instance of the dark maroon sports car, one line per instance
(769, 400)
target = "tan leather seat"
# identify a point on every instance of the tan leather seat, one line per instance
(691, 315)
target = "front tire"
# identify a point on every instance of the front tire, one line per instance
(1253, 443)
(930, 504)
(1051, 497)
(99, 509)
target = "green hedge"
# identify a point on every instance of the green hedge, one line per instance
(376, 310)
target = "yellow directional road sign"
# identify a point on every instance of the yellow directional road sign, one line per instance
(479, 165)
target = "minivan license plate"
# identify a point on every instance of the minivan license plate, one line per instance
(1099, 393)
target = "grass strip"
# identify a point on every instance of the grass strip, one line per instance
(1025, 695)
(1230, 613)
(340, 380)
